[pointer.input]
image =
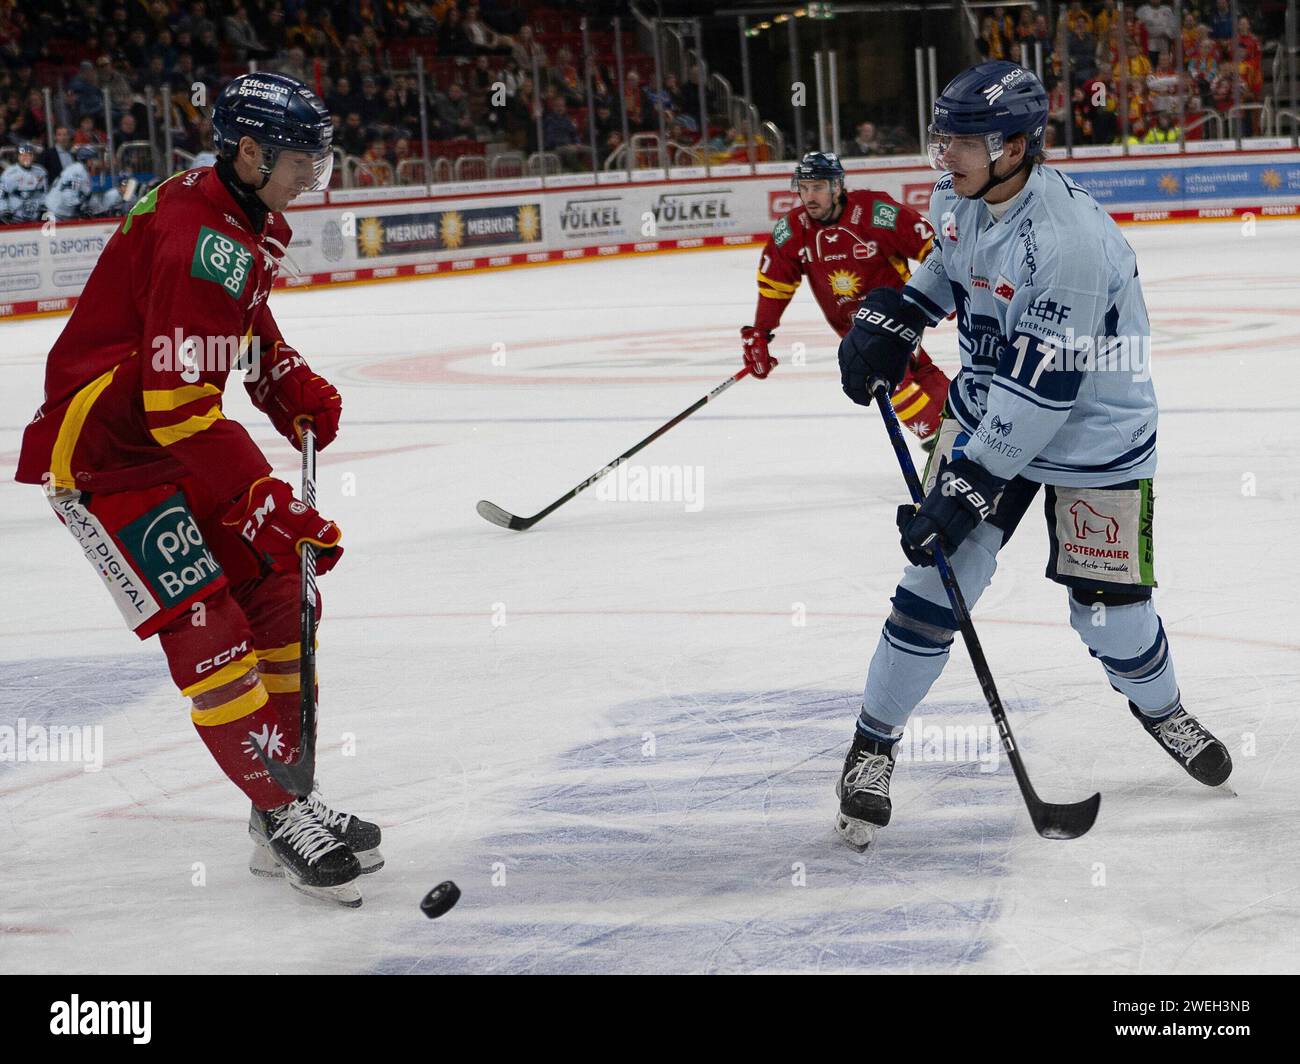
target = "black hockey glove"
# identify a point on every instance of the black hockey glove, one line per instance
(885, 332)
(963, 496)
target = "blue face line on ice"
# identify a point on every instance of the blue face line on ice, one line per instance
(697, 837)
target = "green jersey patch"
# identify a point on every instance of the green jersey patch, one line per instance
(222, 260)
(781, 233)
(884, 215)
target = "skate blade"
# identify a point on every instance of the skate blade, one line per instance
(262, 863)
(344, 894)
(371, 860)
(857, 833)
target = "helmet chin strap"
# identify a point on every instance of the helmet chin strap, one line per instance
(994, 180)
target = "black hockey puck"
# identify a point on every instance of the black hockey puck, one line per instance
(440, 899)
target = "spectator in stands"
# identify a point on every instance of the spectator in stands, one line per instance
(606, 121)
(451, 37)
(521, 117)
(371, 104)
(342, 100)
(1161, 23)
(1192, 33)
(136, 49)
(452, 110)
(294, 64)
(197, 21)
(126, 130)
(242, 36)
(1139, 109)
(1252, 53)
(1025, 25)
(352, 137)
(86, 134)
(87, 99)
(207, 53)
(30, 122)
(1203, 69)
(1164, 85)
(560, 135)
(59, 154)
(526, 49)
(635, 103)
(400, 153)
(1081, 49)
(865, 142)
(1221, 23)
(407, 96)
(1107, 19)
(991, 43)
(1076, 14)
(164, 48)
(375, 172)
(275, 36)
(481, 36)
(1164, 131)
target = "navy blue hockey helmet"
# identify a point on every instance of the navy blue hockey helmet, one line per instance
(85, 154)
(27, 149)
(818, 166)
(995, 100)
(281, 114)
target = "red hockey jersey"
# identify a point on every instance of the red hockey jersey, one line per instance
(133, 385)
(868, 247)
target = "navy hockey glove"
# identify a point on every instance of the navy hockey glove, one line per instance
(879, 346)
(963, 496)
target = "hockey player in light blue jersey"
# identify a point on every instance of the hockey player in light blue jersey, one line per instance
(22, 188)
(71, 193)
(1054, 393)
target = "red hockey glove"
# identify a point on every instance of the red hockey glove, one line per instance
(290, 391)
(277, 525)
(757, 356)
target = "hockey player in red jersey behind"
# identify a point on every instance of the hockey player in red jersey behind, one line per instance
(171, 501)
(847, 243)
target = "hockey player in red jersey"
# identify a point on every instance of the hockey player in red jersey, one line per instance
(171, 501)
(846, 243)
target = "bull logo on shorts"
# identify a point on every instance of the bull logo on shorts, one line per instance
(1088, 521)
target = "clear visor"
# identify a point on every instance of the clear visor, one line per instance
(301, 171)
(962, 152)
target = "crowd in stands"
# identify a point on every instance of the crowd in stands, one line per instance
(509, 75)
(1168, 76)
(116, 69)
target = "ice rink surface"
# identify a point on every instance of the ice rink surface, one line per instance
(619, 731)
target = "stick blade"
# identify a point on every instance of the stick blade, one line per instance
(1065, 821)
(296, 777)
(490, 511)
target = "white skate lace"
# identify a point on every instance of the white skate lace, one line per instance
(332, 818)
(1183, 736)
(302, 830)
(870, 774)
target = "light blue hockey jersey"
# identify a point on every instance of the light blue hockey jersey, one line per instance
(1055, 341)
(70, 192)
(22, 192)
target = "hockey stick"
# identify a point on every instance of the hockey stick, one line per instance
(490, 511)
(298, 777)
(1050, 821)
